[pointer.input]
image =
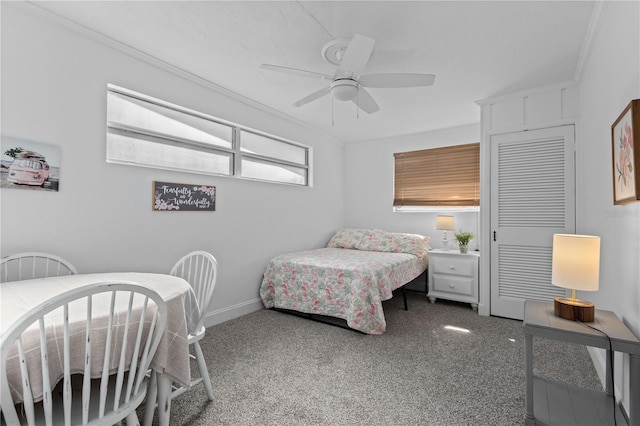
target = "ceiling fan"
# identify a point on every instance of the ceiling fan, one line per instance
(348, 83)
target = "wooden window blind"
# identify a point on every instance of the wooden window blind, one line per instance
(441, 177)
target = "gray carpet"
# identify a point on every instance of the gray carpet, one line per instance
(271, 368)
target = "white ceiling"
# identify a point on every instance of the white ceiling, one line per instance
(476, 49)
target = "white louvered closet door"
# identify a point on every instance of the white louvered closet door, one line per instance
(532, 198)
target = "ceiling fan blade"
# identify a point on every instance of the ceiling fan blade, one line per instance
(356, 56)
(295, 71)
(313, 96)
(394, 80)
(365, 102)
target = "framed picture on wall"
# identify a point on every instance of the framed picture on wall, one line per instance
(625, 145)
(29, 165)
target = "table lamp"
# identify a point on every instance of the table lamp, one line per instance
(575, 265)
(445, 223)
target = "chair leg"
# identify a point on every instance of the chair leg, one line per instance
(164, 400)
(152, 396)
(204, 373)
(132, 419)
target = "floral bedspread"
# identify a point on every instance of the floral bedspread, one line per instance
(346, 283)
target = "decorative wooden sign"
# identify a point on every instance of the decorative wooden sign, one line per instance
(183, 197)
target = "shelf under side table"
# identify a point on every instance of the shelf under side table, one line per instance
(556, 403)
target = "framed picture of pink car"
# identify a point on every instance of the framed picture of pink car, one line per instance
(29, 165)
(625, 145)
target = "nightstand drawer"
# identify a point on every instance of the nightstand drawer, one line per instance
(454, 285)
(456, 266)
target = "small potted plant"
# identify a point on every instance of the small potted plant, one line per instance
(463, 238)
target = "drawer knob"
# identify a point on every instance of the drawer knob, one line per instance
(452, 267)
(451, 286)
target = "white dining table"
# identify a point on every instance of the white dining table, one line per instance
(171, 360)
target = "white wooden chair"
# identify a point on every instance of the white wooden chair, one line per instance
(25, 266)
(200, 270)
(113, 338)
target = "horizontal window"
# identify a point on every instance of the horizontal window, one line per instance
(253, 143)
(143, 150)
(258, 169)
(148, 132)
(144, 116)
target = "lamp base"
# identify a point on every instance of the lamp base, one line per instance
(574, 309)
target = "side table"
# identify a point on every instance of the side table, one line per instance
(454, 276)
(553, 403)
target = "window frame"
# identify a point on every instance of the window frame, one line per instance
(235, 152)
(271, 159)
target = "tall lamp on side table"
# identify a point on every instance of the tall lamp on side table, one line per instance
(575, 265)
(445, 223)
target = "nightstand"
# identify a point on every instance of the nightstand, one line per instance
(454, 276)
(552, 403)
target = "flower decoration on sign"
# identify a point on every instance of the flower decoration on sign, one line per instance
(209, 190)
(161, 204)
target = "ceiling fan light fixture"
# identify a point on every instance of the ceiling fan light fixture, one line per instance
(344, 89)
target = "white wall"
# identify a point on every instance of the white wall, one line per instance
(611, 78)
(54, 91)
(369, 184)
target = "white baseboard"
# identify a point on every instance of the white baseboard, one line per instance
(230, 312)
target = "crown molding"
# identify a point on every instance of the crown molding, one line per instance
(128, 50)
(594, 23)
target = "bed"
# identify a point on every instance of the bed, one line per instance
(349, 279)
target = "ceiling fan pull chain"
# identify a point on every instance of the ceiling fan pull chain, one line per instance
(358, 103)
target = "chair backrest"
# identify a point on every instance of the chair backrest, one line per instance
(55, 339)
(25, 266)
(200, 269)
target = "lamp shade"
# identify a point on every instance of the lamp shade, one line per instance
(445, 223)
(576, 262)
